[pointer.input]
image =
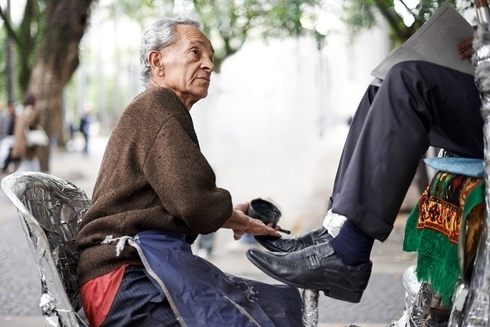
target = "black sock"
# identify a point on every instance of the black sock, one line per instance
(352, 245)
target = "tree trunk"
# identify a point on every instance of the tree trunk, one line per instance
(66, 22)
(9, 55)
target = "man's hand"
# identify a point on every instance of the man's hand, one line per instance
(465, 49)
(240, 223)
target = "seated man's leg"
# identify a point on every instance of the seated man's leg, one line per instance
(139, 303)
(418, 104)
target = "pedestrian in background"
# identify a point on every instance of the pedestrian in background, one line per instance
(85, 129)
(27, 119)
(7, 126)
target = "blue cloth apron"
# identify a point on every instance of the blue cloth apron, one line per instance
(200, 294)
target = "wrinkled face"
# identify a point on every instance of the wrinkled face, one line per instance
(185, 66)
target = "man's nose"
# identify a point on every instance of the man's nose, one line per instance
(208, 65)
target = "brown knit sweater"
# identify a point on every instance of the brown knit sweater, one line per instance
(153, 176)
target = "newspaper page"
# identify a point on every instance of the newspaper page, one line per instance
(436, 41)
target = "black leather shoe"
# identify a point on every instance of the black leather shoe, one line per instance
(317, 267)
(291, 244)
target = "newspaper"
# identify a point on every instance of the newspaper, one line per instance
(436, 41)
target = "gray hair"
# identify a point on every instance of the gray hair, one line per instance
(161, 34)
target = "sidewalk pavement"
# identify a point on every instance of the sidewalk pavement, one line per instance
(383, 300)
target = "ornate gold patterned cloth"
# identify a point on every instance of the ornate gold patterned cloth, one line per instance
(432, 229)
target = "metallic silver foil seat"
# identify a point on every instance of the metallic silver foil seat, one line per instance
(50, 210)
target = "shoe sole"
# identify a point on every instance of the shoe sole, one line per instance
(332, 291)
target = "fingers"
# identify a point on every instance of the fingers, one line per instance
(465, 44)
(237, 234)
(274, 232)
(466, 54)
(259, 228)
(271, 231)
(465, 48)
(276, 227)
(256, 230)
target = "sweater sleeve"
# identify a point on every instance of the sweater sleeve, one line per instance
(184, 181)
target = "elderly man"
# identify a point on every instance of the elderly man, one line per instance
(419, 104)
(155, 193)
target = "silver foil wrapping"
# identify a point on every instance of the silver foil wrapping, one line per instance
(411, 285)
(477, 307)
(50, 210)
(420, 302)
(310, 307)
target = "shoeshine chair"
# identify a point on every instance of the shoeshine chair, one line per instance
(50, 210)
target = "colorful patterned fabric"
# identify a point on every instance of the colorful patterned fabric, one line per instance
(432, 229)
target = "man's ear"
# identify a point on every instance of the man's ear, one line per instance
(156, 62)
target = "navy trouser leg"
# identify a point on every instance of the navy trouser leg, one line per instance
(419, 104)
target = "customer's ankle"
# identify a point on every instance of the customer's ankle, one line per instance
(352, 244)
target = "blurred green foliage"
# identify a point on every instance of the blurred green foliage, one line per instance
(364, 14)
(25, 37)
(230, 23)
